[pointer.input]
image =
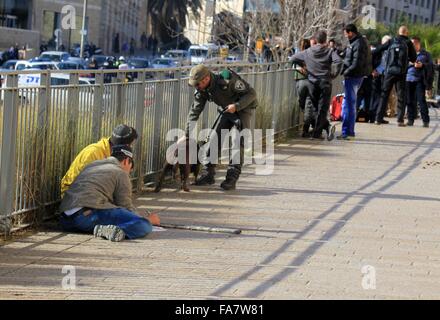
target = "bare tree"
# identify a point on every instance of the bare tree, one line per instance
(302, 18)
(295, 20)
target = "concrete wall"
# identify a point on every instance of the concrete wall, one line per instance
(22, 37)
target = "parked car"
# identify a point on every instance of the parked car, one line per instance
(56, 56)
(138, 63)
(181, 57)
(232, 59)
(162, 63)
(72, 65)
(9, 65)
(47, 65)
(60, 93)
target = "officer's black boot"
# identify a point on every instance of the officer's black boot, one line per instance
(207, 176)
(232, 176)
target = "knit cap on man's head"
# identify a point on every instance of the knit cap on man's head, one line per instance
(123, 134)
(122, 150)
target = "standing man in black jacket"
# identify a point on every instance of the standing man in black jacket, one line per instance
(357, 65)
(400, 51)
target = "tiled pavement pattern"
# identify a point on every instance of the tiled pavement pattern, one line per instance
(328, 211)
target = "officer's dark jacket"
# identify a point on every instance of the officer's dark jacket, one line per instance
(358, 59)
(223, 92)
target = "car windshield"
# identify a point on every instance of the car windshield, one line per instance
(68, 66)
(174, 54)
(52, 57)
(199, 52)
(162, 61)
(9, 65)
(41, 67)
(139, 63)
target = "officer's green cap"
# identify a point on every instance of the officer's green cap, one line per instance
(197, 74)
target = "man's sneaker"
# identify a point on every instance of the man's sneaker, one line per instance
(343, 137)
(110, 232)
(331, 133)
(410, 123)
(401, 124)
(425, 124)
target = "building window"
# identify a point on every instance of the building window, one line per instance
(415, 18)
(391, 15)
(385, 13)
(14, 14)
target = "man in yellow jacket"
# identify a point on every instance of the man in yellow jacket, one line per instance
(122, 135)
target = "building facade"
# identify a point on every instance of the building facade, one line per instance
(389, 11)
(199, 31)
(33, 22)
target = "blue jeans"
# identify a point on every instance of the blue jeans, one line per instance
(351, 86)
(416, 94)
(133, 226)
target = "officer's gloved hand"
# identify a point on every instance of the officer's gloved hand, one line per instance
(237, 124)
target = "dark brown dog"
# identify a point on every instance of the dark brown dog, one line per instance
(184, 169)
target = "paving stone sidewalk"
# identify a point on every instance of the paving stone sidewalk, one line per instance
(341, 220)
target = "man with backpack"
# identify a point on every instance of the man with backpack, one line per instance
(399, 52)
(419, 79)
(235, 97)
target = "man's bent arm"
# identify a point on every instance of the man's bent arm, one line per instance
(196, 109)
(123, 192)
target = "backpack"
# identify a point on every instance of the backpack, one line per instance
(397, 58)
(336, 107)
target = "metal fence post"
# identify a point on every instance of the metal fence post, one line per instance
(140, 113)
(98, 104)
(8, 165)
(158, 112)
(120, 92)
(73, 114)
(176, 101)
(42, 127)
(272, 76)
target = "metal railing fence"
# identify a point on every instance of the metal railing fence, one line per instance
(44, 125)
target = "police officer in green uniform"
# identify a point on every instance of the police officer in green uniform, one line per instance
(234, 96)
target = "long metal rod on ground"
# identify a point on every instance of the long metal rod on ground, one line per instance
(202, 228)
